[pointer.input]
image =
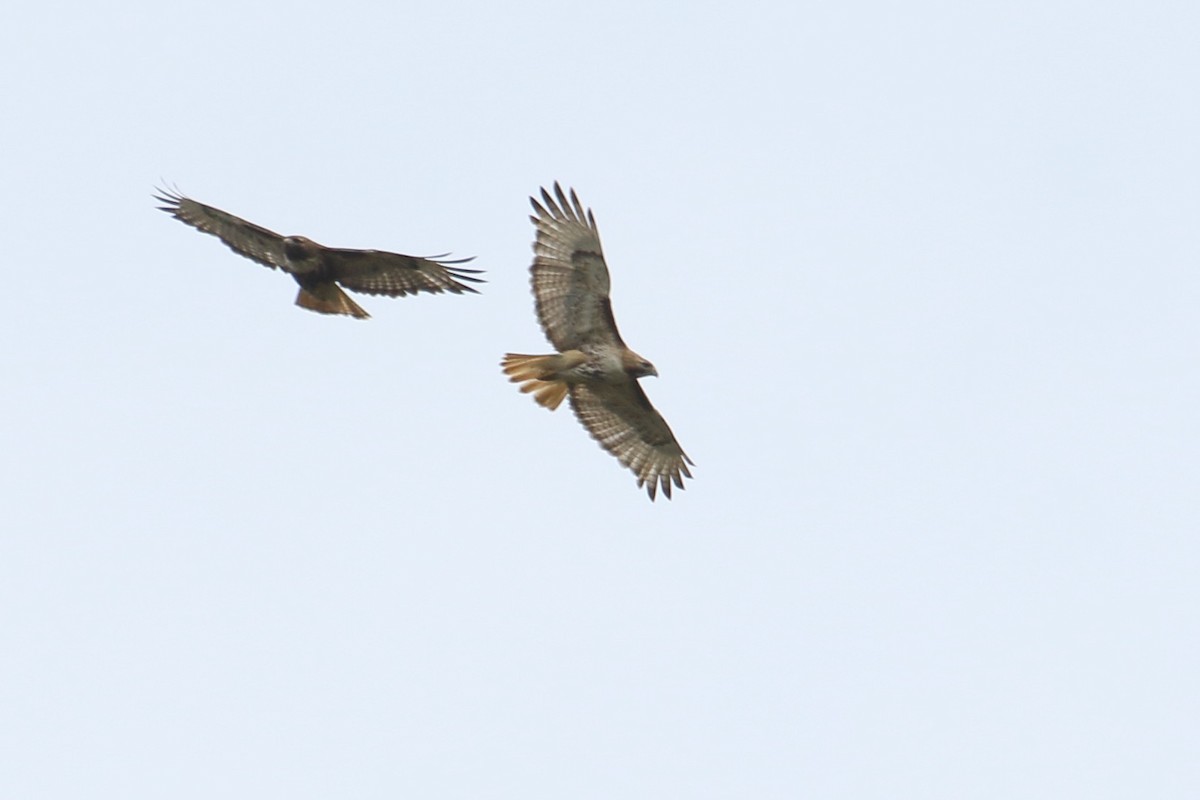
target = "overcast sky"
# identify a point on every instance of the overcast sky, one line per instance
(921, 283)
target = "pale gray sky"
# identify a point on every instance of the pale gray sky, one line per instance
(921, 283)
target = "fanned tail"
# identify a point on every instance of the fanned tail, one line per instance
(328, 298)
(532, 372)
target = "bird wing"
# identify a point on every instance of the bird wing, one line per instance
(396, 275)
(620, 417)
(244, 238)
(569, 276)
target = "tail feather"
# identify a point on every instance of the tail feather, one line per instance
(532, 372)
(549, 393)
(523, 368)
(328, 298)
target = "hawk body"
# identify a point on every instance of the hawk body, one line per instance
(322, 271)
(594, 367)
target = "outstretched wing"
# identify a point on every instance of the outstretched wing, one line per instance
(570, 279)
(621, 419)
(244, 238)
(396, 275)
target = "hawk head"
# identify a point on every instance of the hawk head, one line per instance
(301, 252)
(636, 366)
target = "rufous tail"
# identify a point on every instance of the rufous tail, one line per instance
(328, 298)
(531, 372)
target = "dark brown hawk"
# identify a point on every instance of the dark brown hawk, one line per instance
(318, 269)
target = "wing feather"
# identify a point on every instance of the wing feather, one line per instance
(396, 275)
(244, 238)
(569, 276)
(620, 417)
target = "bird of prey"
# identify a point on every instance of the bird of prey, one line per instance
(318, 269)
(592, 366)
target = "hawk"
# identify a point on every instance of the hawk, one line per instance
(318, 269)
(592, 366)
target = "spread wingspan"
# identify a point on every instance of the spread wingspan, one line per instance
(593, 366)
(318, 269)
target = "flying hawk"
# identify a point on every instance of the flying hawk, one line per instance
(319, 269)
(593, 366)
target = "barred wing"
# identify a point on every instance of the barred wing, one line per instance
(396, 275)
(244, 238)
(569, 276)
(621, 418)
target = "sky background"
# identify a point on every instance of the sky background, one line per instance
(921, 282)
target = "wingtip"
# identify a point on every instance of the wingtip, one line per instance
(562, 205)
(171, 198)
(666, 481)
(167, 192)
(547, 208)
